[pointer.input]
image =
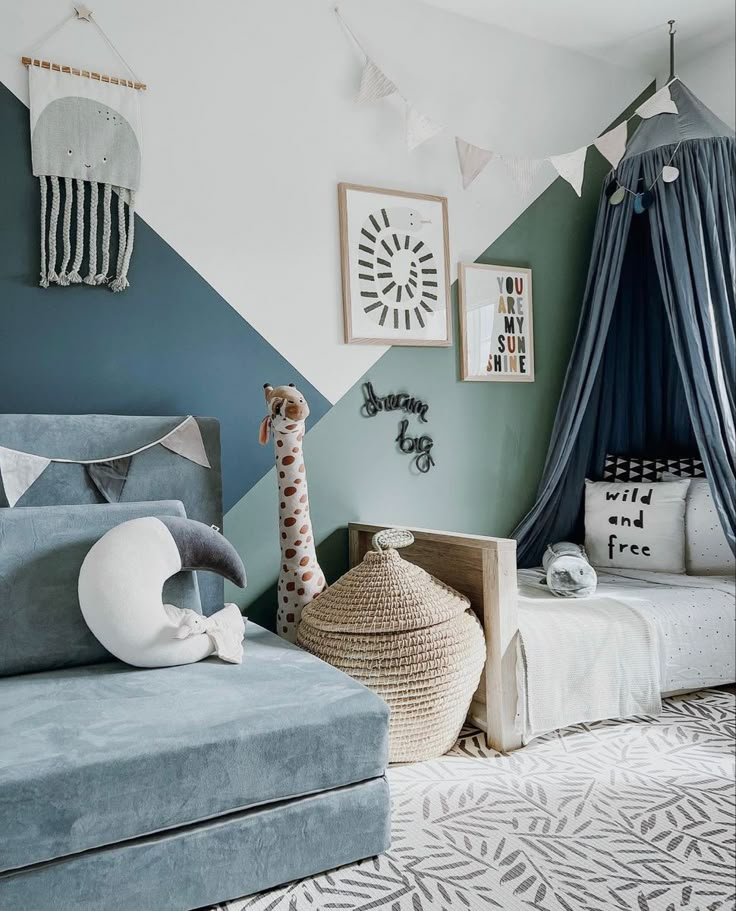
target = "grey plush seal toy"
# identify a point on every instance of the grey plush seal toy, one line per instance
(569, 573)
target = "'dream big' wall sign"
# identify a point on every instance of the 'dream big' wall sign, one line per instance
(496, 334)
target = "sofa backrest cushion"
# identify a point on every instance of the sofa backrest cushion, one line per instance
(41, 552)
(156, 473)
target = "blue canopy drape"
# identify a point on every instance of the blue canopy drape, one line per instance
(653, 368)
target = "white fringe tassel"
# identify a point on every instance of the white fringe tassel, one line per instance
(102, 276)
(67, 232)
(52, 212)
(74, 277)
(44, 273)
(91, 278)
(125, 239)
(53, 277)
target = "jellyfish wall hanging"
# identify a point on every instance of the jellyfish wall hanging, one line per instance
(86, 152)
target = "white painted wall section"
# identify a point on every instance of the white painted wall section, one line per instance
(250, 122)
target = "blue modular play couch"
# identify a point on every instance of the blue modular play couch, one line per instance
(170, 789)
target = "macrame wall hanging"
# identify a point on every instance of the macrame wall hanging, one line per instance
(86, 153)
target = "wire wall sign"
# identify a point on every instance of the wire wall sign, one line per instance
(419, 447)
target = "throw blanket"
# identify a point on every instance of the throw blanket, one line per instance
(583, 660)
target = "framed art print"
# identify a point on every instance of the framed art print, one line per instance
(496, 327)
(395, 267)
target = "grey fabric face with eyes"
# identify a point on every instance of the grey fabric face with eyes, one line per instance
(81, 138)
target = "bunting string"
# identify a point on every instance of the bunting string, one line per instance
(473, 159)
(19, 470)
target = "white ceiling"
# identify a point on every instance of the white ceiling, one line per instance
(628, 32)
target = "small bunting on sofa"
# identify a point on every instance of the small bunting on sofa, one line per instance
(20, 470)
(110, 477)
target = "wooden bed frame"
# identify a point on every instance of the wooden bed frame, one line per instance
(483, 569)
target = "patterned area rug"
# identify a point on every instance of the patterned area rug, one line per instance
(616, 815)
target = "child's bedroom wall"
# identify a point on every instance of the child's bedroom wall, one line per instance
(236, 279)
(712, 76)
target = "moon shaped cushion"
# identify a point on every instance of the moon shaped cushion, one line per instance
(120, 593)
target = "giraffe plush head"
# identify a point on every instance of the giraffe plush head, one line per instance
(287, 408)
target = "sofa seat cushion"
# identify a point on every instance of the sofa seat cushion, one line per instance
(95, 755)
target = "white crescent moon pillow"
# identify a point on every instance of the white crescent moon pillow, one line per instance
(120, 593)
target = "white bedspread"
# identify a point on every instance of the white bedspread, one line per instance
(583, 659)
(612, 655)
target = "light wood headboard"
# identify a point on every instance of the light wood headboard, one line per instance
(483, 569)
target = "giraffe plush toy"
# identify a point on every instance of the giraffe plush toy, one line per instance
(300, 578)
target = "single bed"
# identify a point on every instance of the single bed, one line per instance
(691, 620)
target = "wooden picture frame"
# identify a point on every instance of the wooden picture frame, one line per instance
(484, 300)
(483, 569)
(395, 282)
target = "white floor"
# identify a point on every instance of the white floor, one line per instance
(617, 815)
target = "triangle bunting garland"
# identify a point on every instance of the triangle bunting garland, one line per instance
(660, 103)
(110, 477)
(19, 470)
(419, 128)
(612, 144)
(186, 441)
(571, 167)
(523, 171)
(472, 160)
(374, 84)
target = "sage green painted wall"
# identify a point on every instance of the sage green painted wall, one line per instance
(490, 439)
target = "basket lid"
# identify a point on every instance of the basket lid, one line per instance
(385, 593)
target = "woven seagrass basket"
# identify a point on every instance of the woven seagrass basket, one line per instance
(408, 637)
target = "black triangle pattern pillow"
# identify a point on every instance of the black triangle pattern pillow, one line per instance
(630, 469)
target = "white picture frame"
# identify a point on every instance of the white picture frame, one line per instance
(395, 256)
(489, 350)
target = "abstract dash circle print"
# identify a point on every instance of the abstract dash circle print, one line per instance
(395, 267)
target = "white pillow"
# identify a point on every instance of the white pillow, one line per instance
(706, 547)
(637, 525)
(120, 585)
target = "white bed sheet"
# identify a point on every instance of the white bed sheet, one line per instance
(694, 615)
(696, 619)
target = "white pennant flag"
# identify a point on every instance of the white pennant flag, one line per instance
(612, 144)
(419, 128)
(186, 441)
(660, 103)
(571, 167)
(19, 470)
(374, 84)
(472, 160)
(523, 170)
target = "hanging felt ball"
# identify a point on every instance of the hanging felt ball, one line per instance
(642, 201)
(670, 173)
(611, 189)
(618, 196)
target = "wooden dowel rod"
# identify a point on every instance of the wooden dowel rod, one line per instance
(114, 80)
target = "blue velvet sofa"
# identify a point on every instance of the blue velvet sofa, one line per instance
(171, 789)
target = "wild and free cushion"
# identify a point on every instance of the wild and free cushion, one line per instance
(636, 525)
(41, 551)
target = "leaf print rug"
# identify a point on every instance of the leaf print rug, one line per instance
(635, 814)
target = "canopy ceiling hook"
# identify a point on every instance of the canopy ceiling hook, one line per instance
(673, 32)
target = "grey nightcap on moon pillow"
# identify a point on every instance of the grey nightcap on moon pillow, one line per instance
(203, 548)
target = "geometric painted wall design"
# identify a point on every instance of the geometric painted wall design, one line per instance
(170, 345)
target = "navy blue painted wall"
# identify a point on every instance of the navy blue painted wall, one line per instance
(170, 344)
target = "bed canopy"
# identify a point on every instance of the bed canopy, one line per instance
(653, 367)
